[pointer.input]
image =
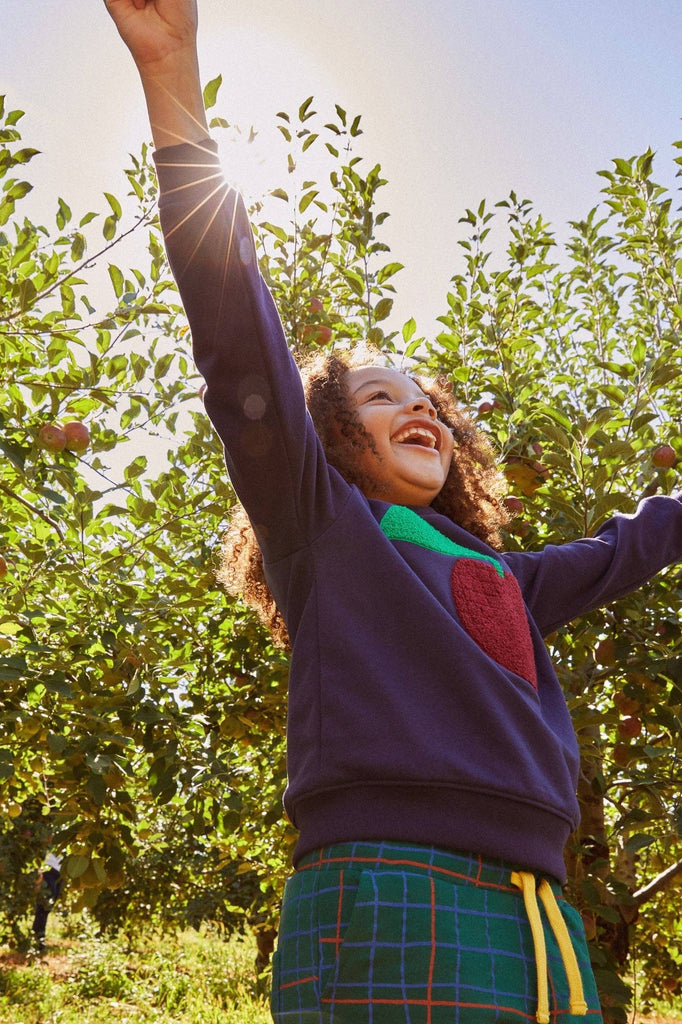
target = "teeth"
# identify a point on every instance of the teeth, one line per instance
(420, 432)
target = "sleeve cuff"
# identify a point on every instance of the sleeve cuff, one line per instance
(186, 161)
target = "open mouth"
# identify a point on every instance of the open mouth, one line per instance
(418, 437)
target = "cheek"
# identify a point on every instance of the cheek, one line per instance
(447, 455)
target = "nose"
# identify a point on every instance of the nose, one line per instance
(423, 404)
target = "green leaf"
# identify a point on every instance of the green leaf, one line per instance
(624, 167)
(14, 452)
(18, 189)
(639, 351)
(639, 841)
(210, 92)
(275, 230)
(27, 294)
(114, 204)
(76, 865)
(306, 200)
(23, 156)
(135, 468)
(620, 450)
(109, 228)
(304, 111)
(162, 365)
(78, 246)
(387, 271)
(355, 280)
(383, 309)
(116, 279)
(409, 327)
(63, 214)
(97, 789)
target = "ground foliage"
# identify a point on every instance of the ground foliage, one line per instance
(187, 978)
(142, 710)
(184, 978)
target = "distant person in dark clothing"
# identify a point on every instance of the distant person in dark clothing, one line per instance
(50, 882)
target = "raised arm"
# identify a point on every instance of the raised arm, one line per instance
(254, 395)
(161, 36)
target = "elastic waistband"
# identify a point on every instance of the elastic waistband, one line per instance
(460, 868)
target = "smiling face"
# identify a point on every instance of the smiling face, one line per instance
(412, 450)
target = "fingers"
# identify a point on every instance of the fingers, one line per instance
(120, 5)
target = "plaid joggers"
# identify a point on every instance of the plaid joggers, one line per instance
(402, 934)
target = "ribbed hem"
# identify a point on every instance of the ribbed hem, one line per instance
(522, 834)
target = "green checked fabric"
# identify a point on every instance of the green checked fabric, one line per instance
(393, 934)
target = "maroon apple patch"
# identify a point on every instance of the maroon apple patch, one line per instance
(490, 608)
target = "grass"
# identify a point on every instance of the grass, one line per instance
(193, 978)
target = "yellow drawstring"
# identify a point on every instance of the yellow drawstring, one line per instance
(525, 881)
(576, 996)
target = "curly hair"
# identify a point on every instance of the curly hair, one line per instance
(471, 495)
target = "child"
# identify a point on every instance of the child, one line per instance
(431, 757)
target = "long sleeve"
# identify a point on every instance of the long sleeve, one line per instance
(564, 581)
(254, 395)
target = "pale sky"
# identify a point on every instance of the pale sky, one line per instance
(461, 100)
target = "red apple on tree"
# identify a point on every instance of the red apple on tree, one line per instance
(513, 505)
(3, 566)
(605, 651)
(317, 334)
(77, 436)
(52, 437)
(622, 754)
(663, 457)
(625, 704)
(630, 726)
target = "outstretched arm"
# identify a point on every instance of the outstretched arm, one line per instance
(161, 36)
(254, 395)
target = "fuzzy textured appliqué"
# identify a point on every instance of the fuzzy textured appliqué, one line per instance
(491, 610)
(487, 597)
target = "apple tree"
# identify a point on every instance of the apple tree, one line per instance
(142, 708)
(572, 357)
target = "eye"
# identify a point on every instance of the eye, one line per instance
(380, 396)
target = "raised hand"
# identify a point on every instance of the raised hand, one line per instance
(155, 31)
(161, 36)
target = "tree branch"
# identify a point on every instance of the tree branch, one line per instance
(35, 510)
(144, 217)
(658, 883)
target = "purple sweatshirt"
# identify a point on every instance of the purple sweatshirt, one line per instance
(423, 706)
